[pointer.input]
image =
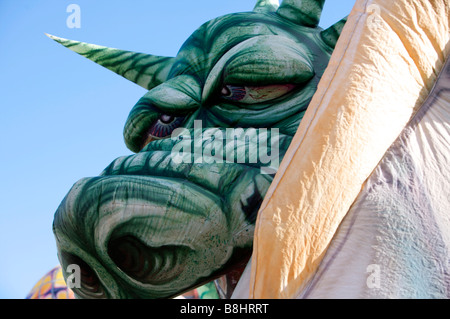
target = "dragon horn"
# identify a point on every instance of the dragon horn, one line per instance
(302, 12)
(266, 6)
(143, 69)
(331, 35)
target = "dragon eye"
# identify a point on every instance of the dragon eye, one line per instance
(255, 94)
(164, 126)
(234, 93)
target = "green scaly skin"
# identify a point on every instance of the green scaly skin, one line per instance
(151, 227)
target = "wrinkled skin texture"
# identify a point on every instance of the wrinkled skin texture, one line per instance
(153, 227)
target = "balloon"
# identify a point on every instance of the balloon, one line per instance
(51, 286)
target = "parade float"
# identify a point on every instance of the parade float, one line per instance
(276, 159)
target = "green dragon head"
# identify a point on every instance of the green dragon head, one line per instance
(154, 225)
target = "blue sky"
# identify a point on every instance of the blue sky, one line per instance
(61, 116)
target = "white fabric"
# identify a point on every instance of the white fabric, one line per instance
(395, 241)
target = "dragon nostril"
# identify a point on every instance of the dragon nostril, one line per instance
(130, 256)
(126, 254)
(150, 265)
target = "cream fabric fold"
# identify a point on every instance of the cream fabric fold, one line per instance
(383, 68)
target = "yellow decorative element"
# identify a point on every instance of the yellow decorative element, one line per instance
(51, 286)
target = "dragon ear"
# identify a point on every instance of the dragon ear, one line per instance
(302, 12)
(331, 35)
(266, 6)
(143, 69)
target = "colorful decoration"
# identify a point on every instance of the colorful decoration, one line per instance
(208, 291)
(51, 286)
